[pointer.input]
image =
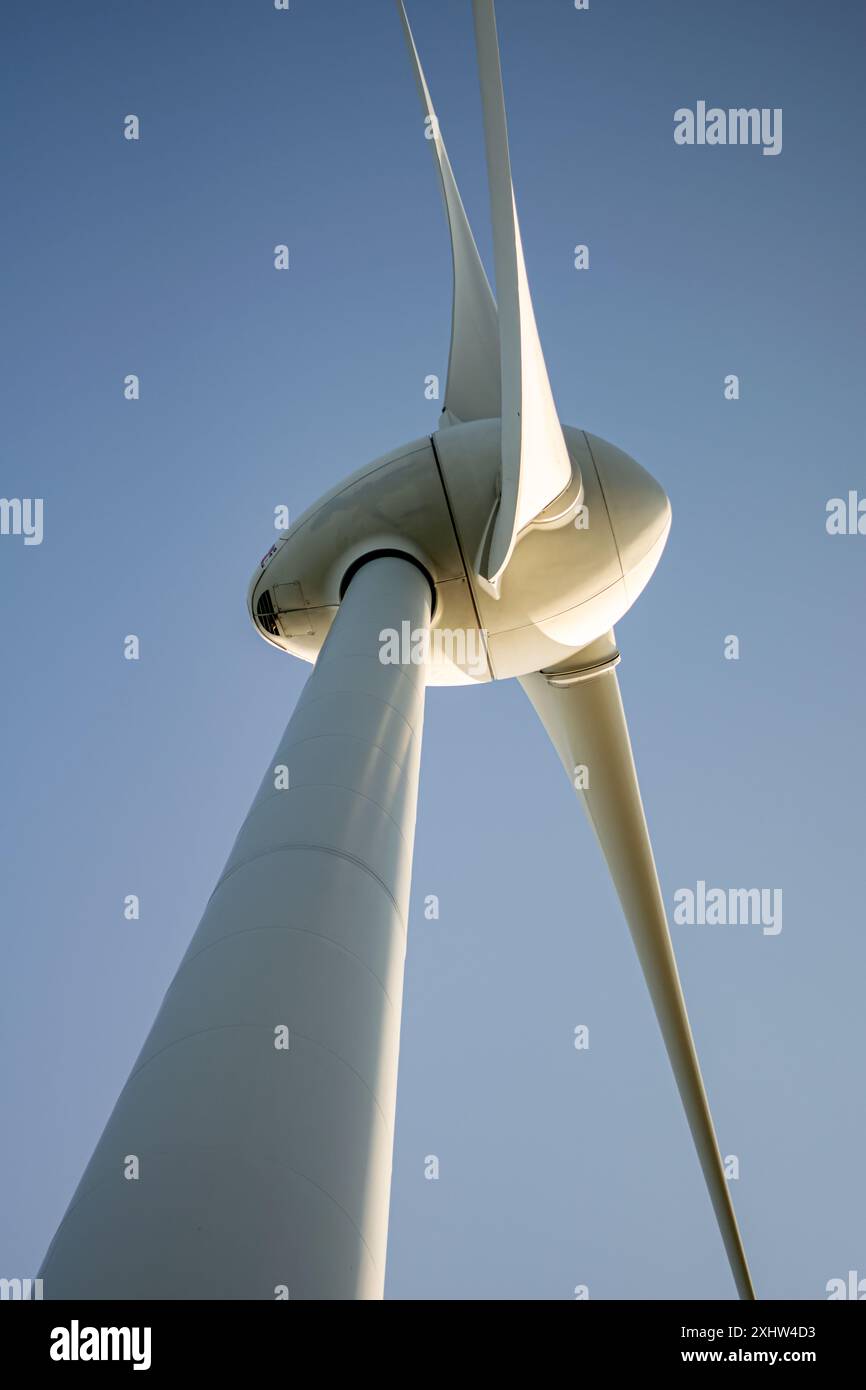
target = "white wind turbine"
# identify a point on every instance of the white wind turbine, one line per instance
(259, 1115)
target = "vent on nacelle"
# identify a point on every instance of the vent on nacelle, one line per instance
(266, 614)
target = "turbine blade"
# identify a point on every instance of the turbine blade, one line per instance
(473, 388)
(587, 726)
(535, 462)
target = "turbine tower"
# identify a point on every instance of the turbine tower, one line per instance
(249, 1154)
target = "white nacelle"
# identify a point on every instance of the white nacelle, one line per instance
(569, 580)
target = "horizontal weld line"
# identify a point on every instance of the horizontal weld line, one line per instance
(400, 668)
(355, 1227)
(354, 695)
(255, 1027)
(317, 849)
(357, 738)
(284, 926)
(280, 1164)
(329, 786)
(311, 738)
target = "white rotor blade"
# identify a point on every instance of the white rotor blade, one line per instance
(535, 462)
(587, 726)
(473, 388)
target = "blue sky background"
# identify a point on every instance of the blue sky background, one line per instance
(558, 1168)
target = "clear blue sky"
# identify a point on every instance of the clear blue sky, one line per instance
(257, 388)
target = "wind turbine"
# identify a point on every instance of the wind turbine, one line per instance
(249, 1154)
